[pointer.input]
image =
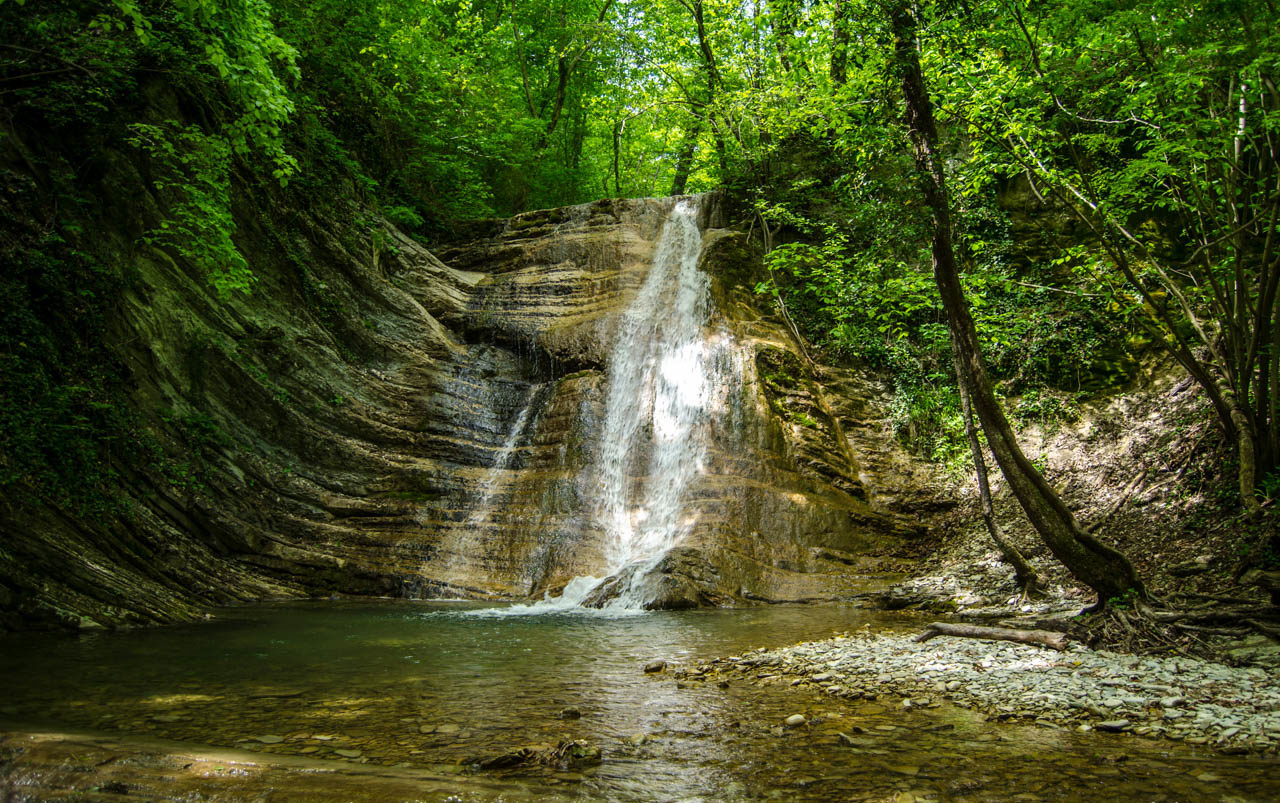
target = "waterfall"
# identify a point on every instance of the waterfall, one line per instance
(669, 374)
(661, 375)
(495, 479)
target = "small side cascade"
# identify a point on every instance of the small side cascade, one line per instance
(496, 477)
(493, 478)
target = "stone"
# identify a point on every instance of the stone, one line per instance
(570, 713)
(656, 665)
(269, 739)
(795, 720)
(448, 728)
(545, 288)
(348, 753)
(1114, 725)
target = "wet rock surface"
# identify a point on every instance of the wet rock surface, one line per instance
(442, 447)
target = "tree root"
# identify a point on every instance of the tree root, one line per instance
(1147, 630)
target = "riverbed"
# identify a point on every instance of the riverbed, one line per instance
(421, 693)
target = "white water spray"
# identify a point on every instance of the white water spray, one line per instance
(667, 376)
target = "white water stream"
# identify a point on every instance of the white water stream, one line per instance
(668, 375)
(496, 475)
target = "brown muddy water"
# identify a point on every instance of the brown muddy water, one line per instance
(400, 700)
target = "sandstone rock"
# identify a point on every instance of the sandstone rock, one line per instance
(376, 433)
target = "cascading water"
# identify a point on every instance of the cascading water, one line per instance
(668, 375)
(664, 375)
(493, 478)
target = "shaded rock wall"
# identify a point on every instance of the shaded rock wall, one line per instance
(374, 420)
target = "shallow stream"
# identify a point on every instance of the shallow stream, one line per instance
(435, 686)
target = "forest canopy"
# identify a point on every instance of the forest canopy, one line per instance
(1112, 163)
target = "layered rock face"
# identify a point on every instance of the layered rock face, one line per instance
(774, 509)
(446, 439)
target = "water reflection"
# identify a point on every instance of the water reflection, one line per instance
(429, 686)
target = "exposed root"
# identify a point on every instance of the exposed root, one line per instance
(1148, 630)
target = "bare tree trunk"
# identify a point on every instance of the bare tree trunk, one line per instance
(1248, 461)
(1024, 575)
(1095, 564)
(617, 159)
(684, 159)
(840, 43)
(713, 81)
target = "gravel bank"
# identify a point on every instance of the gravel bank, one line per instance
(1233, 709)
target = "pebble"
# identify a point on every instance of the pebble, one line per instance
(1183, 699)
(655, 666)
(570, 713)
(348, 753)
(269, 739)
(795, 721)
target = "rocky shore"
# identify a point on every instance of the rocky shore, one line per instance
(1232, 709)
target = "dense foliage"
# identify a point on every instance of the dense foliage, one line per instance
(1116, 165)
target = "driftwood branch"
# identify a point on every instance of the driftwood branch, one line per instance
(1262, 627)
(1045, 638)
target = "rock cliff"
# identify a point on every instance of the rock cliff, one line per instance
(377, 420)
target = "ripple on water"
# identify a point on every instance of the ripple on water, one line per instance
(432, 685)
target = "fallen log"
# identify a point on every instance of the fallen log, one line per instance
(1045, 638)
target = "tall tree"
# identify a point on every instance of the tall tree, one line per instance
(1158, 127)
(1095, 564)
